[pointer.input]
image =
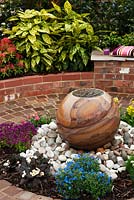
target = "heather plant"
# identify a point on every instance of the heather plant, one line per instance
(82, 176)
(127, 114)
(130, 167)
(11, 63)
(17, 136)
(38, 120)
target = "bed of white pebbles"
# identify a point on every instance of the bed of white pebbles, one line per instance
(112, 156)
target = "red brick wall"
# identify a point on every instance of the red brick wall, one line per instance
(108, 75)
(115, 77)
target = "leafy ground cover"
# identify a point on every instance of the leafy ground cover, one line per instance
(122, 187)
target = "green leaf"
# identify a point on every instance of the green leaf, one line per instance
(89, 29)
(35, 47)
(29, 25)
(47, 39)
(15, 28)
(63, 55)
(37, 21)
(67, 7)
(68, 27)
(44, 30)
(32, 38)
(13, 18)
(73, 51)
(60, 49)
(27, 47)
(48, 56)
(35, 53)
(33, 64)
(19, 44)
(57, 8)
(43, 50)
(19, 32)
(49, 15)
(37, 59)
(77, 46)
(24, 34)
(47, 61)
(33, 32)
(83, 26)
(27, 64)
(84, 56)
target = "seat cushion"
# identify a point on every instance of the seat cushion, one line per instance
(123, 51)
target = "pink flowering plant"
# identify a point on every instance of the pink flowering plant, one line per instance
(38, 120)
(11, 63)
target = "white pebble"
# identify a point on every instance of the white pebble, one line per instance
(121, 169)
(56, 166)
(40, 131)
(68, 153)
(53, 125)
(132, 147)
(113, 176)
(120, 161)
(62, 158)
(116, 166)
(102, 168)
(109, 164)
(58, 140)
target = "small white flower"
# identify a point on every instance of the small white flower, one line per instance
(41, 173)
(132, 161)
(22, 154)
(28, 160)
(35, 172)
(23, 174)
(7, 163)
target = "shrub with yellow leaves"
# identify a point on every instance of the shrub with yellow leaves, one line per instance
(128, 114)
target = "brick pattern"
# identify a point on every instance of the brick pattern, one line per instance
(107, 75)
(42, 85)
(9, 192)
(111, 77)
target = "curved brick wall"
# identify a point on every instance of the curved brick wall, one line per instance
(44, 84)
(114, 75)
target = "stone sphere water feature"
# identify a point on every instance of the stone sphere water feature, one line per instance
(88, 118)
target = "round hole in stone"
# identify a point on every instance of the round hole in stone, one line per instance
(86, 92)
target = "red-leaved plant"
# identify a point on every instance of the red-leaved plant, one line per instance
(11, 63)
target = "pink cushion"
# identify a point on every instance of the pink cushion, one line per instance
(123, 51)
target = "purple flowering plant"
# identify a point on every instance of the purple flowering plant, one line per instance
(16, 136)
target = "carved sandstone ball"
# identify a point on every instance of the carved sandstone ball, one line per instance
(88, 118)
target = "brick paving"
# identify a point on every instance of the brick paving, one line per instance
(17, 111)
(9, 192)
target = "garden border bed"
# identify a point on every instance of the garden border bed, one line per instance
(115, 75)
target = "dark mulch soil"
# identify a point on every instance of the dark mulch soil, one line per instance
(123, 187)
